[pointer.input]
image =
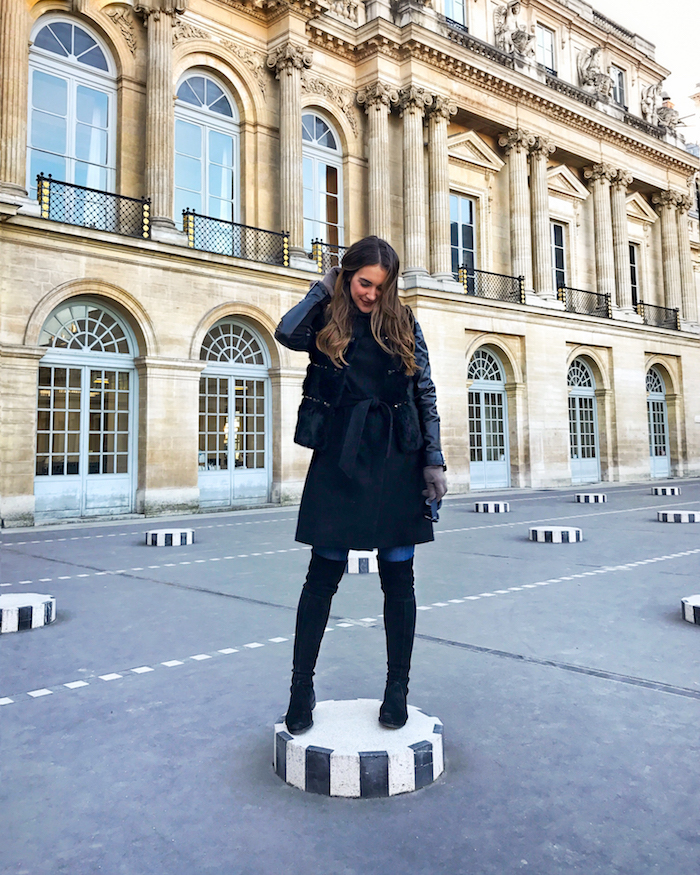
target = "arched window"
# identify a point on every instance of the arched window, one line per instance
(234, 416)
(322, 169)
(489, 465)
(72, 105)
(583, 423)
(657, 417)
(206, 150)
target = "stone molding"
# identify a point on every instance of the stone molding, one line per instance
(289, 57)
(342, 97)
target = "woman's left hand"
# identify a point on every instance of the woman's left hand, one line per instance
(435, 482)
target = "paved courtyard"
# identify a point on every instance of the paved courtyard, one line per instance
(136, 731)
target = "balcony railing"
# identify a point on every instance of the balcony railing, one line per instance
(496, 286)
(326, 255)
(229, 238)
(90, 208)
(660, 317)
(585, 302)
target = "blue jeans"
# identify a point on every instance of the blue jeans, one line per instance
(386, 554)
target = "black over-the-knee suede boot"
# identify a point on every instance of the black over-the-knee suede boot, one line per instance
(400, 627)
(312, 617)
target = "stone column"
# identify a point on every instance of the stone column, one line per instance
(689, 295)
(540, 151)
(600, 176)
(14, 73)
(621, 242)
(288, 61)
(413, 101)
(665, 204)
(160, 18)
(516, 144)
(377, 100)
(439, 187)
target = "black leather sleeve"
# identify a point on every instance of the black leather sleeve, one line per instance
(426, 402)
(297, 328)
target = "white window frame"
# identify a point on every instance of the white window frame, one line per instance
(553, 249)
(76, 74)
(331, 158)
(543, 49)
(460, 198)
(456, 10)
(619, 90)
(635, 271)
(208, 121)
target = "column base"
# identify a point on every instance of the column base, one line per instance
(449, 283)
(163, 230)
(12, 198)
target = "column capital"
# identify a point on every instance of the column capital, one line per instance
(414, 98)
(684, 202)
(621, 179)
(442, 107)
(542, 147)
(600, 173)
(156, 8)
(289, 57)
(378, 95)
(516, 141)
(665, 199)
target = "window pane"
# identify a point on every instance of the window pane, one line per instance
(48, 132)
(92, 106)
(49, 93)
(90, 144)
(82, 42)
(46, 39)
(220, 181)
(188, 173)
(220, 149)
(331, 179)
(188, 139)
(94, 58)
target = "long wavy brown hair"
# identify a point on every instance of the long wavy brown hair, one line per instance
(391, 321)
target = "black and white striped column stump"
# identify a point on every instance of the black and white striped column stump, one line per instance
(591, 497)
(665, 490)
(556, 534)
(678, 516)
(348, 753)
(170, 537)
(26, 610)
(492, 507)
(362, 562)
(690, 608)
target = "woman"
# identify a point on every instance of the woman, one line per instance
(368, 412)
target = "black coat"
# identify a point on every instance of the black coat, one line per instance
(372, 429)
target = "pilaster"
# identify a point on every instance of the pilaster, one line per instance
(601, 176)
(377, 100)
(540, 151)
(516, 144)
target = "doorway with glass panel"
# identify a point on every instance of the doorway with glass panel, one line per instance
(583, 424)
(489, 463)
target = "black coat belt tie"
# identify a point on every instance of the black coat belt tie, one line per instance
(356, 426)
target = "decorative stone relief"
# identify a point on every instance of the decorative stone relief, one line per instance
(289, 57)
(590, 73)
(125, 23)
(156, 7)
(600, 172)
(413, 97)
(542, 147)
(621, 179)
(668, 116)
(343, 98)
(665, 199)
(184, 30)
(512, 36)
(378, 93)
(517, 140)
(651, 99)
(442, 106)
(255, 61)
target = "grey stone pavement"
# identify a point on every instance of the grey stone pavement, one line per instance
(568, 684)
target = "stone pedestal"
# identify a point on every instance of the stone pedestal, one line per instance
(26, 610)
(348, 753)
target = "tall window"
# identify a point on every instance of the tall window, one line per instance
(545, 47)
(454, 10)
(206, 150)
(634, 272)
(462, 233)
(72, 100)
(618, 89)
(558, 242)
(322, 168)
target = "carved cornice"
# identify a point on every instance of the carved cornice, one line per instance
(442, 107)
(516, 141)
(542, 147)
(125, 22)
(289, 57)
(414, 98)
(622, 179)
(600, 173)
(343, 98)
(377, 95)
(270, 10)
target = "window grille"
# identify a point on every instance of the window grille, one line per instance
(84, 327)
(229, 342)
(484, 366)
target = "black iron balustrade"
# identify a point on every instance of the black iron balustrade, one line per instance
(585, 302)
(496, 286)
(659, 317)
(229, 238)
(326, 255)
(90, 208)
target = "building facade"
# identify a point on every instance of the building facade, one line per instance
(174, 173)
